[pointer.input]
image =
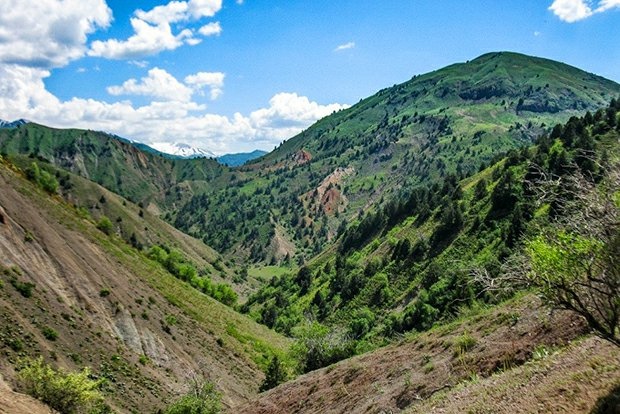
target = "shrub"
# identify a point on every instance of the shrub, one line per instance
(24, 288)
(105, 225)
(72, 392)
(276, 374)
(49, 333)
(464, 343)
(202, 398)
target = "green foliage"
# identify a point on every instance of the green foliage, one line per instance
(317, 346)
(174, 261)
(42, 177)
(105, 225)
(464, 343)
(66, 392)
(202, 398)
(49, 333)
(275, 375)
(24, 288)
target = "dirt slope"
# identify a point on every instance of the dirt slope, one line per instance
(573, 380)
(112, 309)
(404, 376)
(12, 402)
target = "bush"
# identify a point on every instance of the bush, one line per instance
(201, 399)
(73, 392)
(49, 333)
(24, 288)
(464, 343)
(105, 225)
(318, 346)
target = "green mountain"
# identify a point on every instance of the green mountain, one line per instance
(389, 223)
(286, 206)
(411, 264)
(294, 200)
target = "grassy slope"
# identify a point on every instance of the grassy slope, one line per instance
(435, 372)
(147, 311)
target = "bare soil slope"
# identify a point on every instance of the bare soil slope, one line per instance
(79, 297)
(487, 350)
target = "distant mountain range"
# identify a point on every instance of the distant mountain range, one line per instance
(235, 160)
(172, 150)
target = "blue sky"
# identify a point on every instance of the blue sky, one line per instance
(236, 75)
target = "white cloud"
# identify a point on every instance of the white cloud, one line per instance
(345, 46)
(148, 40)
(605, 5)
(52, 33)
(158, 84)
(48, 33)
(211, 29)
(572, 11)
(213, 80)
(204, 8)
(153, 30)
(139, 63)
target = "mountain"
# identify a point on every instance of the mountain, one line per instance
(235, 160)
(284, 207)
(12, 124)
(417, 261)
(78, 295)
(182, 150)
(455, 120)
(398, 234)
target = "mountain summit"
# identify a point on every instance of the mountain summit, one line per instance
(182, 150)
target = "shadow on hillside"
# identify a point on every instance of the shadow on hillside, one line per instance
(609, 404)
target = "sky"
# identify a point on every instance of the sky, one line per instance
(237, 75)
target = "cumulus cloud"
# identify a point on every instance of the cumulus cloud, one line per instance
(173, 118)
(48, 33)
(153, 30)
(158, 84)
(211, 29)
(213, 80)
(51, 33)
(345, 46)
(572, 11)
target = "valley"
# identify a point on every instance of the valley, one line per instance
(416, 252)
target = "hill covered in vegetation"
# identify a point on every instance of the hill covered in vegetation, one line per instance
(285, 207)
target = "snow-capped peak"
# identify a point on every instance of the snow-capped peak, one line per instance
(181, 150)
(12, 124)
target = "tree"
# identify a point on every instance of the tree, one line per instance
(576, 264)
(574, 261)
(66, 392)
(276, 374)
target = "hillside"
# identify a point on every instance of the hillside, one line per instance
(425, 257)
(140, 175)
(452, 121)
(512, 358)
(285, 207)
(80, 297)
